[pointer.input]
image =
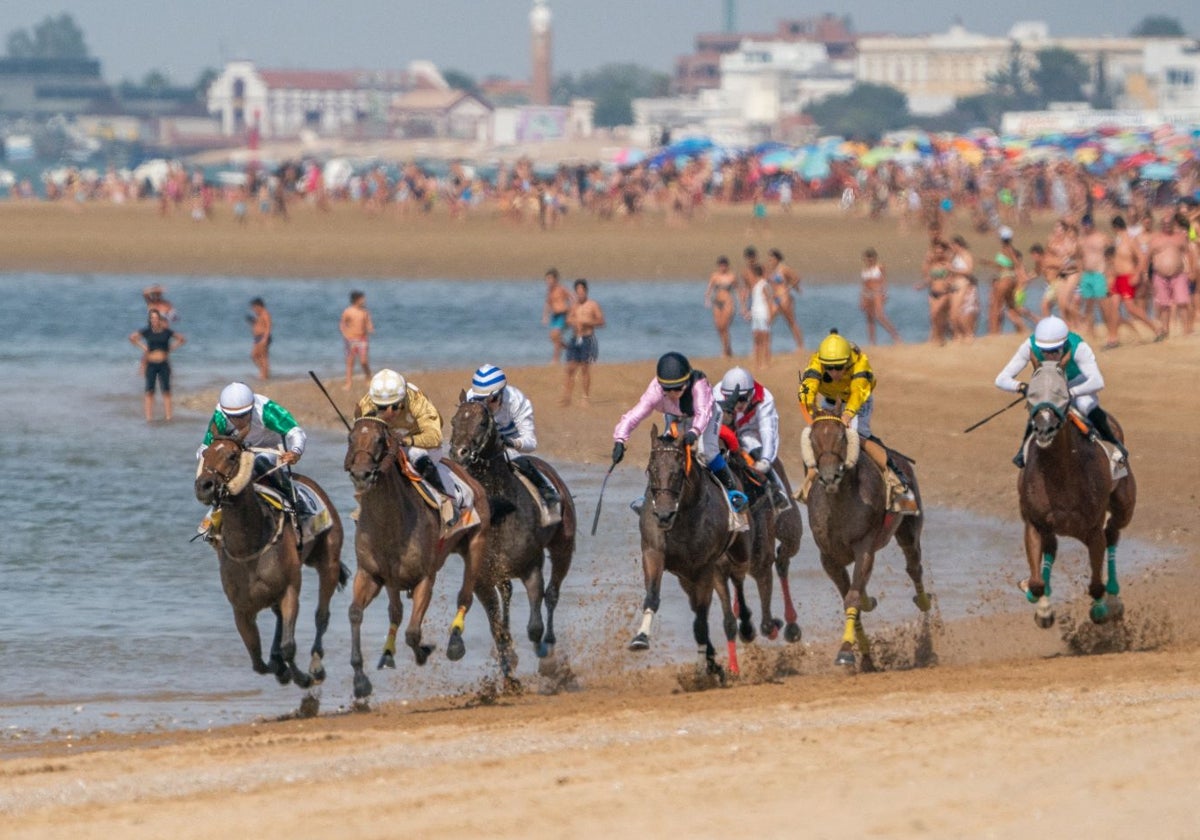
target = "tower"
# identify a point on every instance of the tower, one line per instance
(539, 31)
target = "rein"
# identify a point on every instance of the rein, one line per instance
(225, 492)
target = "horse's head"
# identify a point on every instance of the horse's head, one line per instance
(1047, 399)
(473, 434)
(225, 469)
(670, 464)
(830, 447)
(370, 445)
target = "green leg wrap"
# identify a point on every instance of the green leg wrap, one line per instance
(1047, 567)
(1112, 587)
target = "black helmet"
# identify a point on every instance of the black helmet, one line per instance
(674, 370)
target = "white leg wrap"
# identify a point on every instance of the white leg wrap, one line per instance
(647, 620)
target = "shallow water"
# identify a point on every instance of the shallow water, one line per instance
(110, 619)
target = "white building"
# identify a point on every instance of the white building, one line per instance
(282, 103)
(1173, 74)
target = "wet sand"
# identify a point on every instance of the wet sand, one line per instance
(1066, 730)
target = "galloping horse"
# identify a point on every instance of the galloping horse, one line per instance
(686, 530)
(261, 561)
(519, 540)
(849, 519)
(399, 545)
(775, 541)
(1067, 488)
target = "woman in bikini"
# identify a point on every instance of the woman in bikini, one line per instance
(964, 291)
(937, 281)
(1005, 286)
(719, 298)
(784, 281)
(873, 296)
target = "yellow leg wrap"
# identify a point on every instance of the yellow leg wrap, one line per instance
(848, 635)
(389, 646)
(459, 620)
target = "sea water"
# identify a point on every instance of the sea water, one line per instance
(111, 618)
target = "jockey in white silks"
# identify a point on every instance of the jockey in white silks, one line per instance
(751, 412)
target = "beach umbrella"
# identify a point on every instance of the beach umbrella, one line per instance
(690, 146)
(778, 159)
(1157, 171)
(628, 156)
(816, 166)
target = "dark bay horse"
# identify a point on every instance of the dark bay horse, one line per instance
(775, 540)
(685, 530)
(849, 520)
(399, 546)
(1067, 489)
(261, 562)
(519, 541)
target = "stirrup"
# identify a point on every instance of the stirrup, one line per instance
(737, 500)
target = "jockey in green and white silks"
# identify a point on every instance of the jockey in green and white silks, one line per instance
(1053, 342)
(513, 414)
(271, 428)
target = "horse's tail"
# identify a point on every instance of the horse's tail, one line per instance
(343, 575)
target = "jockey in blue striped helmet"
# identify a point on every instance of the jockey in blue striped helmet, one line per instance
(513, 413)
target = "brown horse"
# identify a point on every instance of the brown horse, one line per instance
(849, 520)
(1067, 488)
(685, 530)
(399, 546)
(519, 541)
(260, 559)
(775, 541)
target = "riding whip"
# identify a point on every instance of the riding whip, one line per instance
(994, 414)
(600, 501)
(331, 402)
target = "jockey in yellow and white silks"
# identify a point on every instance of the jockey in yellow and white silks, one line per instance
(839, 378)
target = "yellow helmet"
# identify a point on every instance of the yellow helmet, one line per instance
(834, 350)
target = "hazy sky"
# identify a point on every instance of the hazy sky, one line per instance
(486, 37)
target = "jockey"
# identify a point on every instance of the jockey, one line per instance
(1053, 341)
(749, 410)
(684, 395)
(839, 376)
(263, 425)
(513, 413)
(414, 421)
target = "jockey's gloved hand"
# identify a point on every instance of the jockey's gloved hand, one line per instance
(618, 452)
(513, 443)
(1023, 387)
(762, 466)
(689, 438)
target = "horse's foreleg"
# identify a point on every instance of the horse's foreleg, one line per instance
(652, 570)
(329, 571)
(562, 550)
(911, 546)
(505, 589)
(764, 579)
(730, 624)
(535, 629)
(1105, 603)
(1040, 550)
(247, 628)
(473, 559)
(745, 616)
(366, 588)
(490, 599)
(701, 597)
(421, 595)
(289, 611)
(277, 663)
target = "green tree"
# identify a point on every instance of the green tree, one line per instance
(459, 80)
(207, 76)
(865, 113)
(1059, 75)
(613, 87)
(54, 37)
(156, 80)
(1011, 84)
(1158, 26)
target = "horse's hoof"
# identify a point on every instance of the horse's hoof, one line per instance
(283, 677)
(746, 633)
(301, 679)
(1044, 620)
(456, 649)
(771, 632)
(923, 601)
(791, 633)
(844, 659)
(387, 660)
(362, 687)
(316, 670)
(542, 649)
(640, 642)
(1099, 613)
(867, 603)
(421, 652)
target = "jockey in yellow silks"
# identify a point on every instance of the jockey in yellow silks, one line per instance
(839, 378)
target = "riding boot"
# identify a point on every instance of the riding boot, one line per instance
(1098, 417)
(545, 489)
(737, 499)
(1019, 458)
(429, 472)
(779, 497)
(900, 498)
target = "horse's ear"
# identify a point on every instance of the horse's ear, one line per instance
(653, 431)
(462, 396)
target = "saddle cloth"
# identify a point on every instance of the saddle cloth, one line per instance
(738, 522)
(311, 512)
(546, 515)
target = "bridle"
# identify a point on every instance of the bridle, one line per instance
(380, 447)
(481, 445)
(677, 476)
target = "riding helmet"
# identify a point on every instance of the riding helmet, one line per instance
(387, 388)
(236, 399)
(834, 350)
(674, 370)
(488, 380)
(1050, 333)
(736, 384)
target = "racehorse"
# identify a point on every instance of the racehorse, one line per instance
(260, 559)
(399, 545)
(686, 530)
(519, 541)
(1067, 488)
(775, 541)
(849, 520)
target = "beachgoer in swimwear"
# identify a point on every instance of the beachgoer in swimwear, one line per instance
(356, 327)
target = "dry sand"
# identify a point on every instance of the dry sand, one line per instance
(1065, 732)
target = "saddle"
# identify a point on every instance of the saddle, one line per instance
(459, 495)
(738, 522)
(547, 514)
(1117, 464)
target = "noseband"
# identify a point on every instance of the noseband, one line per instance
(684, 454)
(380, 446)
(481, 445)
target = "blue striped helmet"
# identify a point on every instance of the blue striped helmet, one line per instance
(488, 380)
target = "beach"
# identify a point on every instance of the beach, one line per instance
(1071, 730)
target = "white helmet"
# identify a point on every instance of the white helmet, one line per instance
(1050, 333)
(387, 387)
(236, 399)
(736, 383)
(1006, 233)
